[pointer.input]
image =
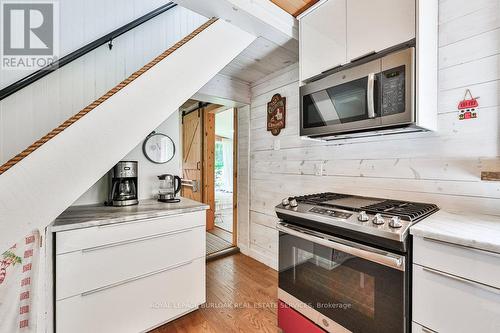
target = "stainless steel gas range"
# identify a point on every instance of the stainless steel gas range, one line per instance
(344, 263)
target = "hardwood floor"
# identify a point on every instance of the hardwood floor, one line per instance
(241, 297)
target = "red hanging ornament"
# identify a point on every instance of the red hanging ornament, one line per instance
(467, 107)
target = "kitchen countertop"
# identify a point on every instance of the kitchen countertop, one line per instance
(471, 230)
(77, 217)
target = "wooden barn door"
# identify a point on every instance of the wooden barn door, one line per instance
(192, 154)
(198, 158)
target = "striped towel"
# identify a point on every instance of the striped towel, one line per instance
(18, 267)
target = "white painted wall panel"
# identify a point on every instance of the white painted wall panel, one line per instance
(148, 171)
(467, 23)
(37, 109)
(442, 167)
(83, 21)
(243, 172)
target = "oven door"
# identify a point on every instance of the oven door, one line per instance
(342, 102)
(341, 285)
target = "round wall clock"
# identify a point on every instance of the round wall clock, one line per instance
(158, 148)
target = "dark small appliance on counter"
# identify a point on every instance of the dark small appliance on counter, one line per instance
(124, 184)
(170, 185)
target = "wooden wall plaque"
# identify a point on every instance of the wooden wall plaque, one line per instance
(276, 114)
(491, 176)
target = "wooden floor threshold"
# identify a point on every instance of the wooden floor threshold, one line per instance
(224, 253)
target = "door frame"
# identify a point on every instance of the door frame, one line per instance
(209, 162)
(207, 186)
(235, 176)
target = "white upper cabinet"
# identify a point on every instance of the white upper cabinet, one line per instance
(374, 25)
(335, 32)
(323, 38)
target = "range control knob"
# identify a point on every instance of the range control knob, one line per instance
(395, 222)
(363, 217)
(293, 203)
(378, 219)
(285, 202)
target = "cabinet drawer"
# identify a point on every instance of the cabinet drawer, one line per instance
(472, 264)
(74, 240)
(138, 305)
(88, 269)
(445, 303)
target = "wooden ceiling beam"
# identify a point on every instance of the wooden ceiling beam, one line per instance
(294, 7)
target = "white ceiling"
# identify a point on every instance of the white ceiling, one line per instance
(260, 59)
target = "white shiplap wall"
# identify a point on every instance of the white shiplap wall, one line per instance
(35, 110)
(83, 21)
(441, 167)
(148, 171)
(243, 172)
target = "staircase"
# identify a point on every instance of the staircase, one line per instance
(42, 181)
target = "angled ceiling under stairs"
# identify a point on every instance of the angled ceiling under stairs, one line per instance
(260, 59)
(41, 182)
(276, 46)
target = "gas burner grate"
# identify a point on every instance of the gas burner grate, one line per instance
(411, 211)
(319, 197)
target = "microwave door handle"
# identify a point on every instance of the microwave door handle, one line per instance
(380, 257)
(370, 90)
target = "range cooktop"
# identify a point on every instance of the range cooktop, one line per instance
(374, 216)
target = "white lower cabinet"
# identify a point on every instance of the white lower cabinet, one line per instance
(136, 305)
(446, 302)
(125, 260)
(131, 283)
(472, 264)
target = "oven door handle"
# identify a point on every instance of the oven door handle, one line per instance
(370, 90)
(374, 255)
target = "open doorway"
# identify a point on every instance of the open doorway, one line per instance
(224, 174)
(209, 174)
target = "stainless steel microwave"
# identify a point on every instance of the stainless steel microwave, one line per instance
(376, 97)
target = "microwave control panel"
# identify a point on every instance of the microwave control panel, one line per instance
(392, 84)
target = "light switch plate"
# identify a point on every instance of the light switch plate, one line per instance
(318, 168)
(277, 144)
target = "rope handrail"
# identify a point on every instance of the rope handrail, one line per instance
(13, 161)
(108, 38)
